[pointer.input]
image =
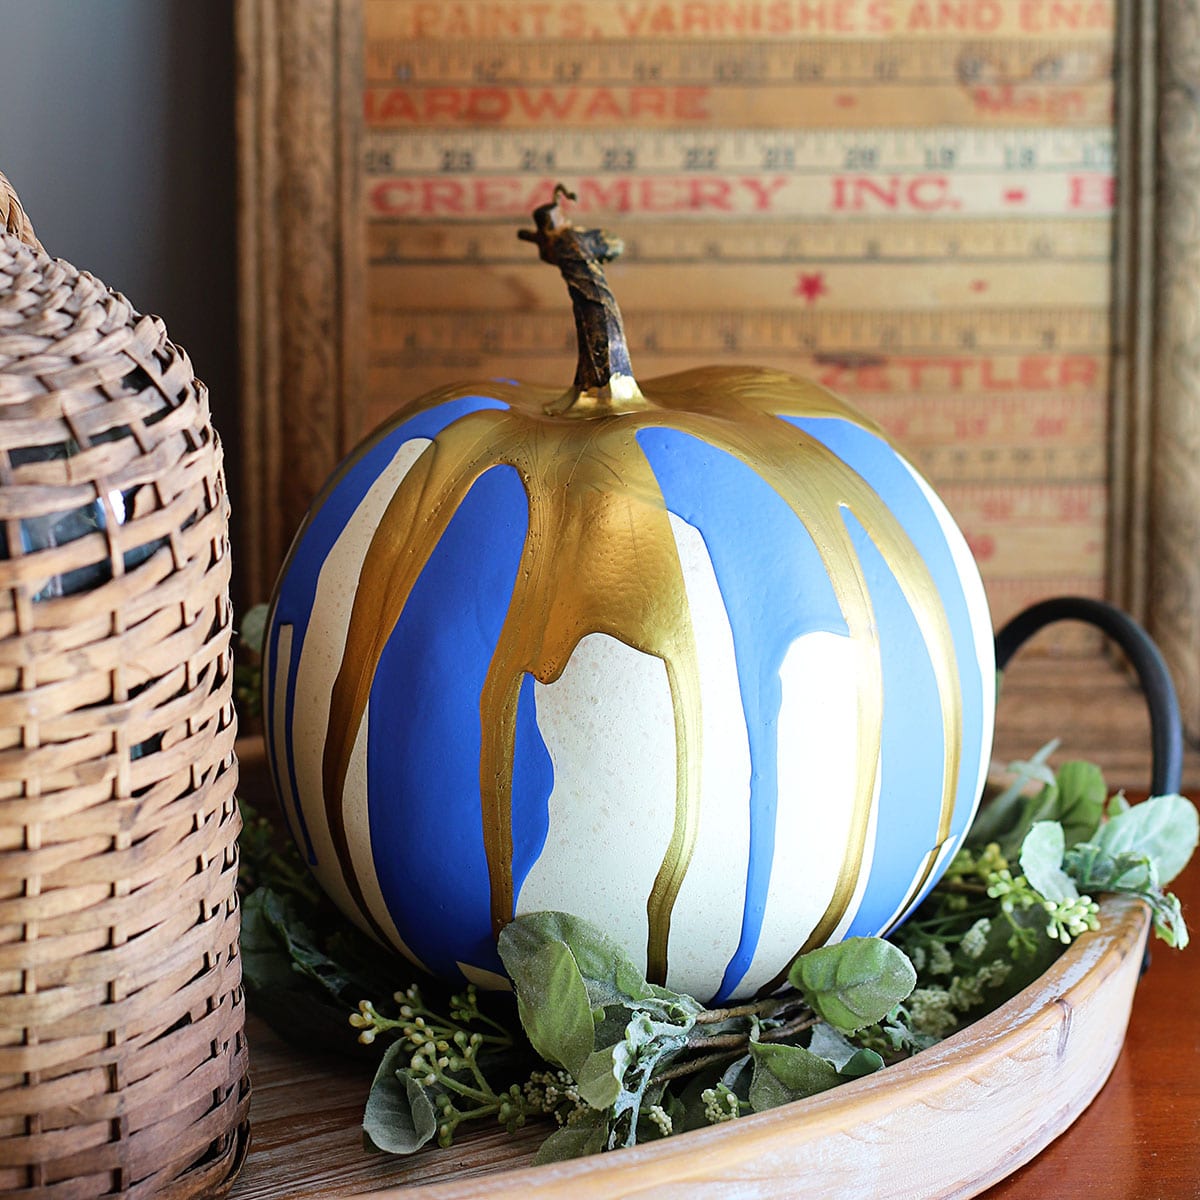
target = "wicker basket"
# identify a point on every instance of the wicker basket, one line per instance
(122, 1055)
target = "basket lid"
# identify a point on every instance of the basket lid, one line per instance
(95, 405)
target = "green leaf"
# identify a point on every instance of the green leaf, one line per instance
(302, 993)
(252, 627)
(1133, 874)
(1075, 797)
(610, 974)
(1094, 870)
(827, 1043)
(854, 983)
(1041, 861)
(1165, 828)
(1168, 920)
(399, 1116)
(266, 964)
(1117, 805)
(599, 959)
(600, 1079)
(850, 1061)
(619, 1077)
(586, 1136)
(616, 989)
(864, 1062)
(1005, 817)
(1082, 793)
(355, 973)
(552, 1000)
(785, 1073)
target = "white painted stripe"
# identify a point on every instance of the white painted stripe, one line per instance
(356, 812)
(818, 759)
(609, 726)
(320, 659)
(278, 728)
(707, 922)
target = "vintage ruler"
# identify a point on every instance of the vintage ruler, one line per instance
(910, 201)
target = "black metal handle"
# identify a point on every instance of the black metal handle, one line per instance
(1166, 726)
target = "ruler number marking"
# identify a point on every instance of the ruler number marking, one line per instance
(779, 158)
(537, 158)
(457, 159)
(618, 158)
(861, 158)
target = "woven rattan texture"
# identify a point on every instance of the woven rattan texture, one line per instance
(122, 1056)
(12, 216)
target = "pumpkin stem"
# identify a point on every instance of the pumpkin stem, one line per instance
(603, 378)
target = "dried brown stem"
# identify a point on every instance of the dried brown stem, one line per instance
(580, 254)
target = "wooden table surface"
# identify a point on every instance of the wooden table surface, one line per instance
(1139, 1139)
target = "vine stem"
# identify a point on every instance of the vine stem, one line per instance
(797, 1025)
(679, 1070)
(755, 1008)
(727, 1046)
(963, 888)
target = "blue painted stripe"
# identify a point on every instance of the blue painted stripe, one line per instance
(297, 588)
(775, 588)
(423, 744)
(878, 463)
(912, 746)
(533, 781)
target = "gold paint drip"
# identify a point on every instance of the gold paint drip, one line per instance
(414, 521)
(599, 557)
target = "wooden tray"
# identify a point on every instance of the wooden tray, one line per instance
(948, 1123)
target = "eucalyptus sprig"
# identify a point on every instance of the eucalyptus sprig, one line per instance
(432, 1077)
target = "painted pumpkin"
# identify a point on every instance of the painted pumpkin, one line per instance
(704, 661)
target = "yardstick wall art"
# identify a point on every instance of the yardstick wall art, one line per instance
(913, 201)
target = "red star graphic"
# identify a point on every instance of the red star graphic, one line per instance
(979, 285)
(811, 286)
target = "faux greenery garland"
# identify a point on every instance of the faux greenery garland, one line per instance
(615, 1060)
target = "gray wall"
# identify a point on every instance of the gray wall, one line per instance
(116, 128)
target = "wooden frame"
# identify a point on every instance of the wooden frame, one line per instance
(302, 293)
(300, 272)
